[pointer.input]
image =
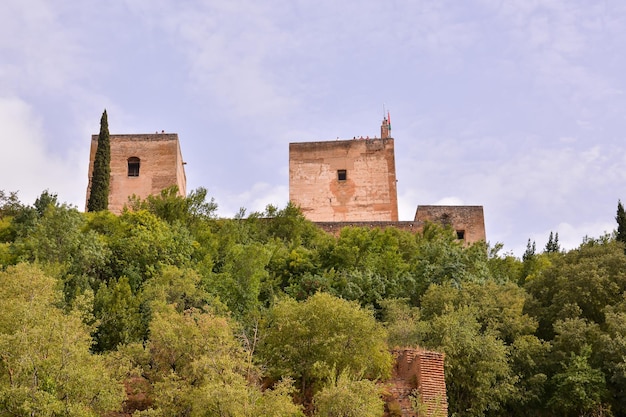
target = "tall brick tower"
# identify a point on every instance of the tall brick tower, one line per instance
(345, 180)
(142, 165)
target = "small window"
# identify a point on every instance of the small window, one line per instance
(460, 234)
(133, 167)
(342, 174)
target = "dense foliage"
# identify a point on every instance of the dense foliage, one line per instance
(266, 315)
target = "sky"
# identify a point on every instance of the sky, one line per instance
(516, 105)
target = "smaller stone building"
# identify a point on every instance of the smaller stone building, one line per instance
(467, 221)
(141, 165)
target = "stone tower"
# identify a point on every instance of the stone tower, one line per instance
(345, 180)
(353, 183)
(143, 165)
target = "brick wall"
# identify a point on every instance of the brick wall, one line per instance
(419, 372)
(466, 220)
(161, 166)
(367, 192)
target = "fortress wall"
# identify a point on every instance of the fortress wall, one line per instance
(368, 191)
(476, 234)
(160, 166)
(466, 220)
(334, 228)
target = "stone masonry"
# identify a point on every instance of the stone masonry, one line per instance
(143, 165)
(467, 221)
(418, 374)
(344, 180)
(353, 183)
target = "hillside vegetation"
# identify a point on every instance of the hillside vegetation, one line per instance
(167, 310)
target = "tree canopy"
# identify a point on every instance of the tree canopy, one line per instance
(167, 309)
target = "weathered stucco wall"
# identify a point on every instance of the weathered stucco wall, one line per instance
(161, 166)
(368, 192)
(468, 221)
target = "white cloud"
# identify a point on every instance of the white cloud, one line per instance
(264, 60)
(450, 201)
(407, 203)
(527, 188)
(570, 236)
(27, 166)
(43, 52)
(553, 40)
(227, 46)
(254, 199)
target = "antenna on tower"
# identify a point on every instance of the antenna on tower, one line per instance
(386, 125)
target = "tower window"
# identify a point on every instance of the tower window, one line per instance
(133, 167)
(342, 174)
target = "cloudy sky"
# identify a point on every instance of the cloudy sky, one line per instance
(515, 105)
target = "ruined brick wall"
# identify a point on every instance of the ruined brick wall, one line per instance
(160, 166)
(420, 373)
(344, 180)
(468, 221)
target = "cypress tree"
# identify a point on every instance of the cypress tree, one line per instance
(621, 222)
(101, 175)
(553, 244)
(530, 251)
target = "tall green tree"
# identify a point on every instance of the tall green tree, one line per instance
(46, 368)
(308, 340)
(577, 284)
(101, 174)
(553, 243)
(579, 388)
(621, 222)
(117, 311)
(197, 368)
(530, 251)
(346, 396)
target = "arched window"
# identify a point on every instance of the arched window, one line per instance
(133, 166)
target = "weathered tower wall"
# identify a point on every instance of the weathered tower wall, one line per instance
(344, 180)
(143, 165)
(467, 221)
